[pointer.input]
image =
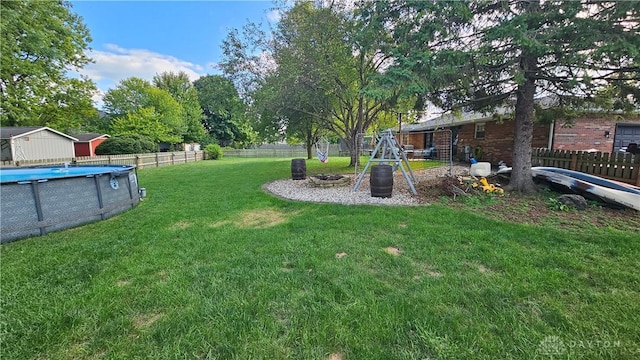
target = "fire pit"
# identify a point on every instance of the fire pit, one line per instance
(330, 180)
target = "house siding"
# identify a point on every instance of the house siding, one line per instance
(94, 145)
(82, 149)
(587, 133)
(87, 148)
(497, 144)
(5, 145)
(417, 140)
(43, 144)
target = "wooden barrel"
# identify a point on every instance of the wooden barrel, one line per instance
(298, 169)
(381, 181)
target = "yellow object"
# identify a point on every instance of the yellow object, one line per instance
(486, 187)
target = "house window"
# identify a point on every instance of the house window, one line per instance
(480, 131)
(405, 138)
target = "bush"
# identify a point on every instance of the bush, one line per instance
(126, 144)
(214, 152)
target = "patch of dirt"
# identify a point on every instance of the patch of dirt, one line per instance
(393, 251)
(262, 218)
(180, 225)
(123, 282)
(258, 219)
(434, 273)
(78, 350)
(430, 273)
(535, 209)
(218, 224)
(341, 255)
(335, 356)
(163, 276)
(483, 269)
(427, 269)
(144, 321)
(287, 266)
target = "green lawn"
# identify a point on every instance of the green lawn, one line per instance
(209, 266)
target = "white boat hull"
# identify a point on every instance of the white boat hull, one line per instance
(606, 190)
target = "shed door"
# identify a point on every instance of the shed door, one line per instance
(625, 134)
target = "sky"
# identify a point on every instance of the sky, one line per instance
(145, 38)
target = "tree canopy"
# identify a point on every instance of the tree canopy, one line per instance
(321, 68)
(482, 54)
(41, 41)
(183, 91)
(137, 107)
(224, 112)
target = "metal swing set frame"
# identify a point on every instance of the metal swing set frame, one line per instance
(387, 151)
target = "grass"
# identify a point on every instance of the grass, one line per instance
(211, 267)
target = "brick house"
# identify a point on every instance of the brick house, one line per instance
(473, 134)
(605, 133)
(483, 135)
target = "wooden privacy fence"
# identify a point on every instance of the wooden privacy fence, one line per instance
(139, 160)
(618, 166)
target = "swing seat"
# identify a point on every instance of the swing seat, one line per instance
(323, 156)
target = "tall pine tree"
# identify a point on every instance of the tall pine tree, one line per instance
(483, 54)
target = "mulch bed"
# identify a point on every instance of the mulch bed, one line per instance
(525, 209)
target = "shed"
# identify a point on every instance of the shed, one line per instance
(35, 143)
(87, 143)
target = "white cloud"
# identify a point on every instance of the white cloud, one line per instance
(274, 15)
(117, 63)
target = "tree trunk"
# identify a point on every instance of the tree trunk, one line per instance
(357, 137)
(521, 178)
(354, 149)
(309, 140)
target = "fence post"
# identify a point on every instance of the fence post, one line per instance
(574, 161)
(173, 155)
(636, 169)
(157, 160)
(138, 162)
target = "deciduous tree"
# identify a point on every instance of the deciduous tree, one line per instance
(41, 41)
(137, 101)
(224, 111)
(319, 73)
(183, 91)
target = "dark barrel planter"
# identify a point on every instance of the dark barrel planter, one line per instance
(381, 181)
(298, 169)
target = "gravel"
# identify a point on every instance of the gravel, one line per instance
(303, 190)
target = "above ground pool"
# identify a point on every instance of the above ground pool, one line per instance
(37, 200)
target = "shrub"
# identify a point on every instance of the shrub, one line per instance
(214, 152)
(556, 205)
(126, 144)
